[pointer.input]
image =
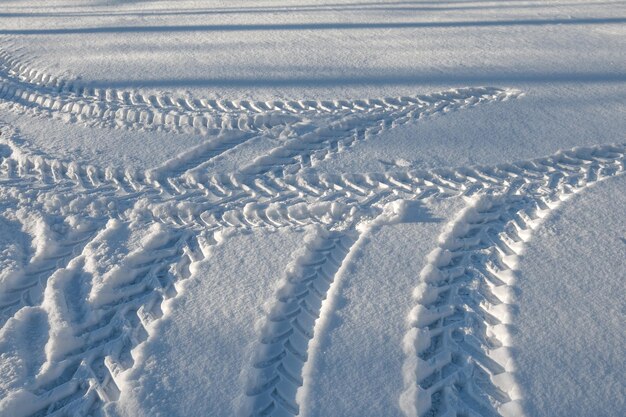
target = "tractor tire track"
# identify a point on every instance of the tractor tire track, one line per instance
(277, 369)
(221, 200)
(83, 377)
(573, 164)
(29, 291)
(458, 357)
(457, 347)
(264, 201)
(28, 89)
(305, 149)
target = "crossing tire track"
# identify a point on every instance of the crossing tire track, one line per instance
(262, 201)
(304, 150)
(221, 200)
(86, 374)
(458, 357)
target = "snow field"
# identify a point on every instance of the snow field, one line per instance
(280, 209)
(96, 325)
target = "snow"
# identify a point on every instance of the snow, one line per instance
(569, 348)
(206, 339)
(565, 56)
(360, 354)
(330, 208)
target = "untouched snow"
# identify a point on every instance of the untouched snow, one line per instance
(583, 324)
(330, 208)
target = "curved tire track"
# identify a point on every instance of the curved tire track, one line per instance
(282, 351)
(457, 348)
(28, 89)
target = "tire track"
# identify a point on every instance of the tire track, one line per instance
(458, 357)
(13, 68)
(28, 89)
(88, 373)
(83, 376)
(305, 149)
(277, 369)
(348, 121)
(294, 200)
(466, 363)
(221, 200)
(57, 253)
(574, 164)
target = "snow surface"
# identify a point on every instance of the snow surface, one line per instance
(577, 262)
(208, 334)
(330, 208)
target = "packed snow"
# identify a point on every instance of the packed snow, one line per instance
(330, 208)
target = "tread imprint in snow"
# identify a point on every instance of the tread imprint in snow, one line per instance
(458, 346)
(283, 349)
(460, 362)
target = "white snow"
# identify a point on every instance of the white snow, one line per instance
(205, 342)
(570, 348)
(321, 208)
